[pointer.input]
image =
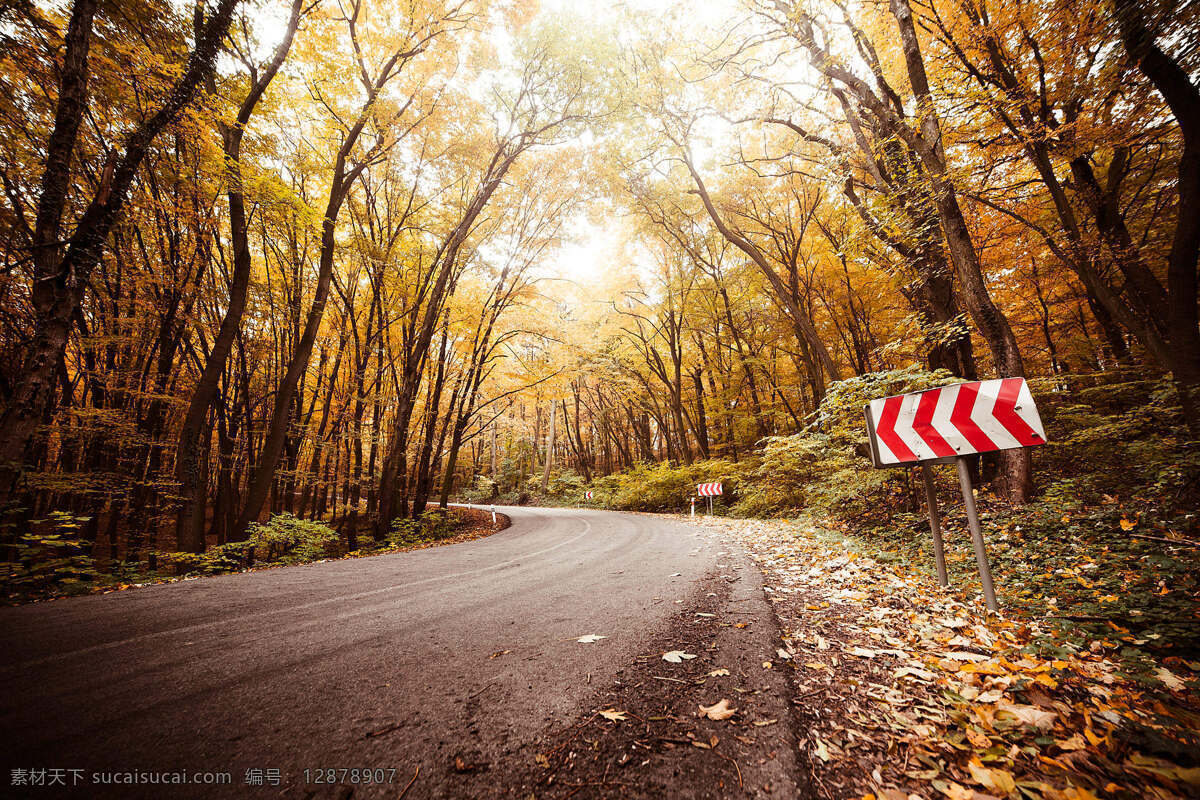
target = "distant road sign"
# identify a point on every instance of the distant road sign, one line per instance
(708, 489)
(957, 420)
(587, 495)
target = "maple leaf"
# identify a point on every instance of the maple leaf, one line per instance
(612, 715)
(676, 656)
(1127, 524)
(590, 638)
(717, 711)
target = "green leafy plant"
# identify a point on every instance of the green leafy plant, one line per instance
(54, 562)
(287, 539)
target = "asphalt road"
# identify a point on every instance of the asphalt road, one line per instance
(293, 669)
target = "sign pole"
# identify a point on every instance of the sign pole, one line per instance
(985, 573)
(935, 525)
(693, 506)
(710, 505)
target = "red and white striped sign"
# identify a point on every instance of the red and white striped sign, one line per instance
(587, 495)
(955, 420)
(708, 489)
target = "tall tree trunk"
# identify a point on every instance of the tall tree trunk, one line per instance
(60, 283)
(189, 469)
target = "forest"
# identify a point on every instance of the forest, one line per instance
(280, 280)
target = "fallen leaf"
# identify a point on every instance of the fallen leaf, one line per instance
(676, 656)
(861, 652)
(978, 739)
(997, 780)
(590, 638)
(1030, 715)
(717, 711)
(612, 715)
(1127, 524)
(913, 672)
(762, 723)
(821, 751)
(1076, 742)
(499, 653)
(716, 673)
(1169, 679)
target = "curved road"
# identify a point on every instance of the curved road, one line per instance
(381, 662)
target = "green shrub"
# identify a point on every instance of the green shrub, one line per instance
(286, 539)
(218, 560)
(434, 525)
(46, 564)
(483, 490)
(667, 487)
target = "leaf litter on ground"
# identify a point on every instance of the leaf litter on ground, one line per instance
(906, 690)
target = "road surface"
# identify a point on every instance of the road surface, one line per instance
(379, 663)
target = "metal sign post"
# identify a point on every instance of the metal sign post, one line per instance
(493, 515)
(709, 490)
(940, 425)
(935, 525)
(985, 572)
(693, 506)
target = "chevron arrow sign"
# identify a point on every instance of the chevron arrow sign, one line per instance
(950, 421)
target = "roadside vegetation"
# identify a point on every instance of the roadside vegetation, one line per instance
(60, 562)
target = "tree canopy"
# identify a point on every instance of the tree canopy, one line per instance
(344, 258)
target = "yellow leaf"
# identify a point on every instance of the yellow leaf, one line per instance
(1127, 525)
(1076, 742)
(1046, 680)
(997, 780)
(612, 715)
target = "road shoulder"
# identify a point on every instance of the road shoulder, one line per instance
(645, 736)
